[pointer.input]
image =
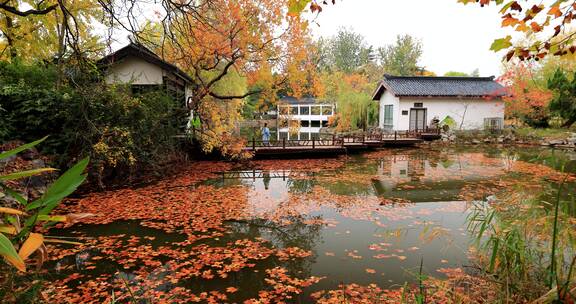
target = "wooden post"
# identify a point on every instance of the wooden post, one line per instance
(313, 142)
(284, 143)
(395, 135)
(254, 143)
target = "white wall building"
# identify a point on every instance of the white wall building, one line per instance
(309, 114)
(143, 70)
(411, 103)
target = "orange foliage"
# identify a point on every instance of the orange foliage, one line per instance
(524, 98)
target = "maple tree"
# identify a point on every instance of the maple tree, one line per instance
(547, 24)
(525, 99)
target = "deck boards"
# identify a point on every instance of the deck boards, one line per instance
(306, 148)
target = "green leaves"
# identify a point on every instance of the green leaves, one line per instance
(21, 148)
(22, 174)
(9, 253)
(62, 187)
(502, 43)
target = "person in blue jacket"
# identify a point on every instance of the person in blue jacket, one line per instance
(266, 135)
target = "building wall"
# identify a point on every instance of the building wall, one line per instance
(473, 111)
(470, 112)
(135, 71)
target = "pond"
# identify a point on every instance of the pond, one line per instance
(283, 230)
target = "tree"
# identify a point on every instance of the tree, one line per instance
(353, 101)
(401, 58)
(546, 25)
(348, 51)
(50, 29)
(564, 101)
(456, 74)
(526, 99)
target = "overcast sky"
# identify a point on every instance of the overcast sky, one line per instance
(455, 37)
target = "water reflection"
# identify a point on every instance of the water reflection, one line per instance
(385, 211)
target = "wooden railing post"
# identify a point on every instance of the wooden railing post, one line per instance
(395, 135)
(313, 142)
(284, 143)
(254, 143)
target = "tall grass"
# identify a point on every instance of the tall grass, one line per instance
(527, 247)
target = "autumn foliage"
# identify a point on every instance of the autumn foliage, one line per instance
(524, 99)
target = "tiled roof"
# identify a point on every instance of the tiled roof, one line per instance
(304, 100)
(439, 86)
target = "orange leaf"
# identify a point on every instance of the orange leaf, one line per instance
(231, 289)
(34, 241)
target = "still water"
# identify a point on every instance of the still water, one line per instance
(368, 218)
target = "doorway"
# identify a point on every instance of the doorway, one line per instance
(417, 119)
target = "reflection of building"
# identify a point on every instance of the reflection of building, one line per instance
(305, 114)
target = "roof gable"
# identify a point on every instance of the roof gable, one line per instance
(140, 51)
(424, 86)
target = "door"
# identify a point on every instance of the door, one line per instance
(417, 119)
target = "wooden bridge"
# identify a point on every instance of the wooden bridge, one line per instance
(340, 144)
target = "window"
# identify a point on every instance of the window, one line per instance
(304, 110)
(315, 124)
(418, 105)
(388, 116)
(405, 112)
(293, 110)
(326, 110)
(304, 123)
(315, 110)
(493, 123)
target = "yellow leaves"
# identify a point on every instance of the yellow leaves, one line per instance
(12, 211)
(34, 241)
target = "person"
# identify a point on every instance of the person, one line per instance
(266, 135)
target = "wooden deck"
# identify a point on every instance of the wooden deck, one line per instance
(339, 144)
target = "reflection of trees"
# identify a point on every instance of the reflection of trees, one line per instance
(292, 231)
(301, 185)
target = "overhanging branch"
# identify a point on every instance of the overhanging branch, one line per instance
(29, 12)
(228, 97)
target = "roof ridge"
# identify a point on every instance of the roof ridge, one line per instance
(472, 78)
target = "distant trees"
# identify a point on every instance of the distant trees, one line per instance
(348, 51)
(475, 73)
(564, 101)
(401, 58)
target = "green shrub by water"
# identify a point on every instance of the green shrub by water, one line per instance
(85, 117)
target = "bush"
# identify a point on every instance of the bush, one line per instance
(120, 131)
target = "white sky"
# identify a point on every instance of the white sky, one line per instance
(455, 37)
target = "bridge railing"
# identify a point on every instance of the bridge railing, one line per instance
(284, 143)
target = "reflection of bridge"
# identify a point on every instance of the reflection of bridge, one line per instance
(254, 174)
(340, 144)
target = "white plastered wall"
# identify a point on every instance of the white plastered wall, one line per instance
(468, 113)
(135, 71)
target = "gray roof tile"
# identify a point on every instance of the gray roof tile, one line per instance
(439, 86)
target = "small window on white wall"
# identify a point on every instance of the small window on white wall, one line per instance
(493, 123)
(388, 116)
